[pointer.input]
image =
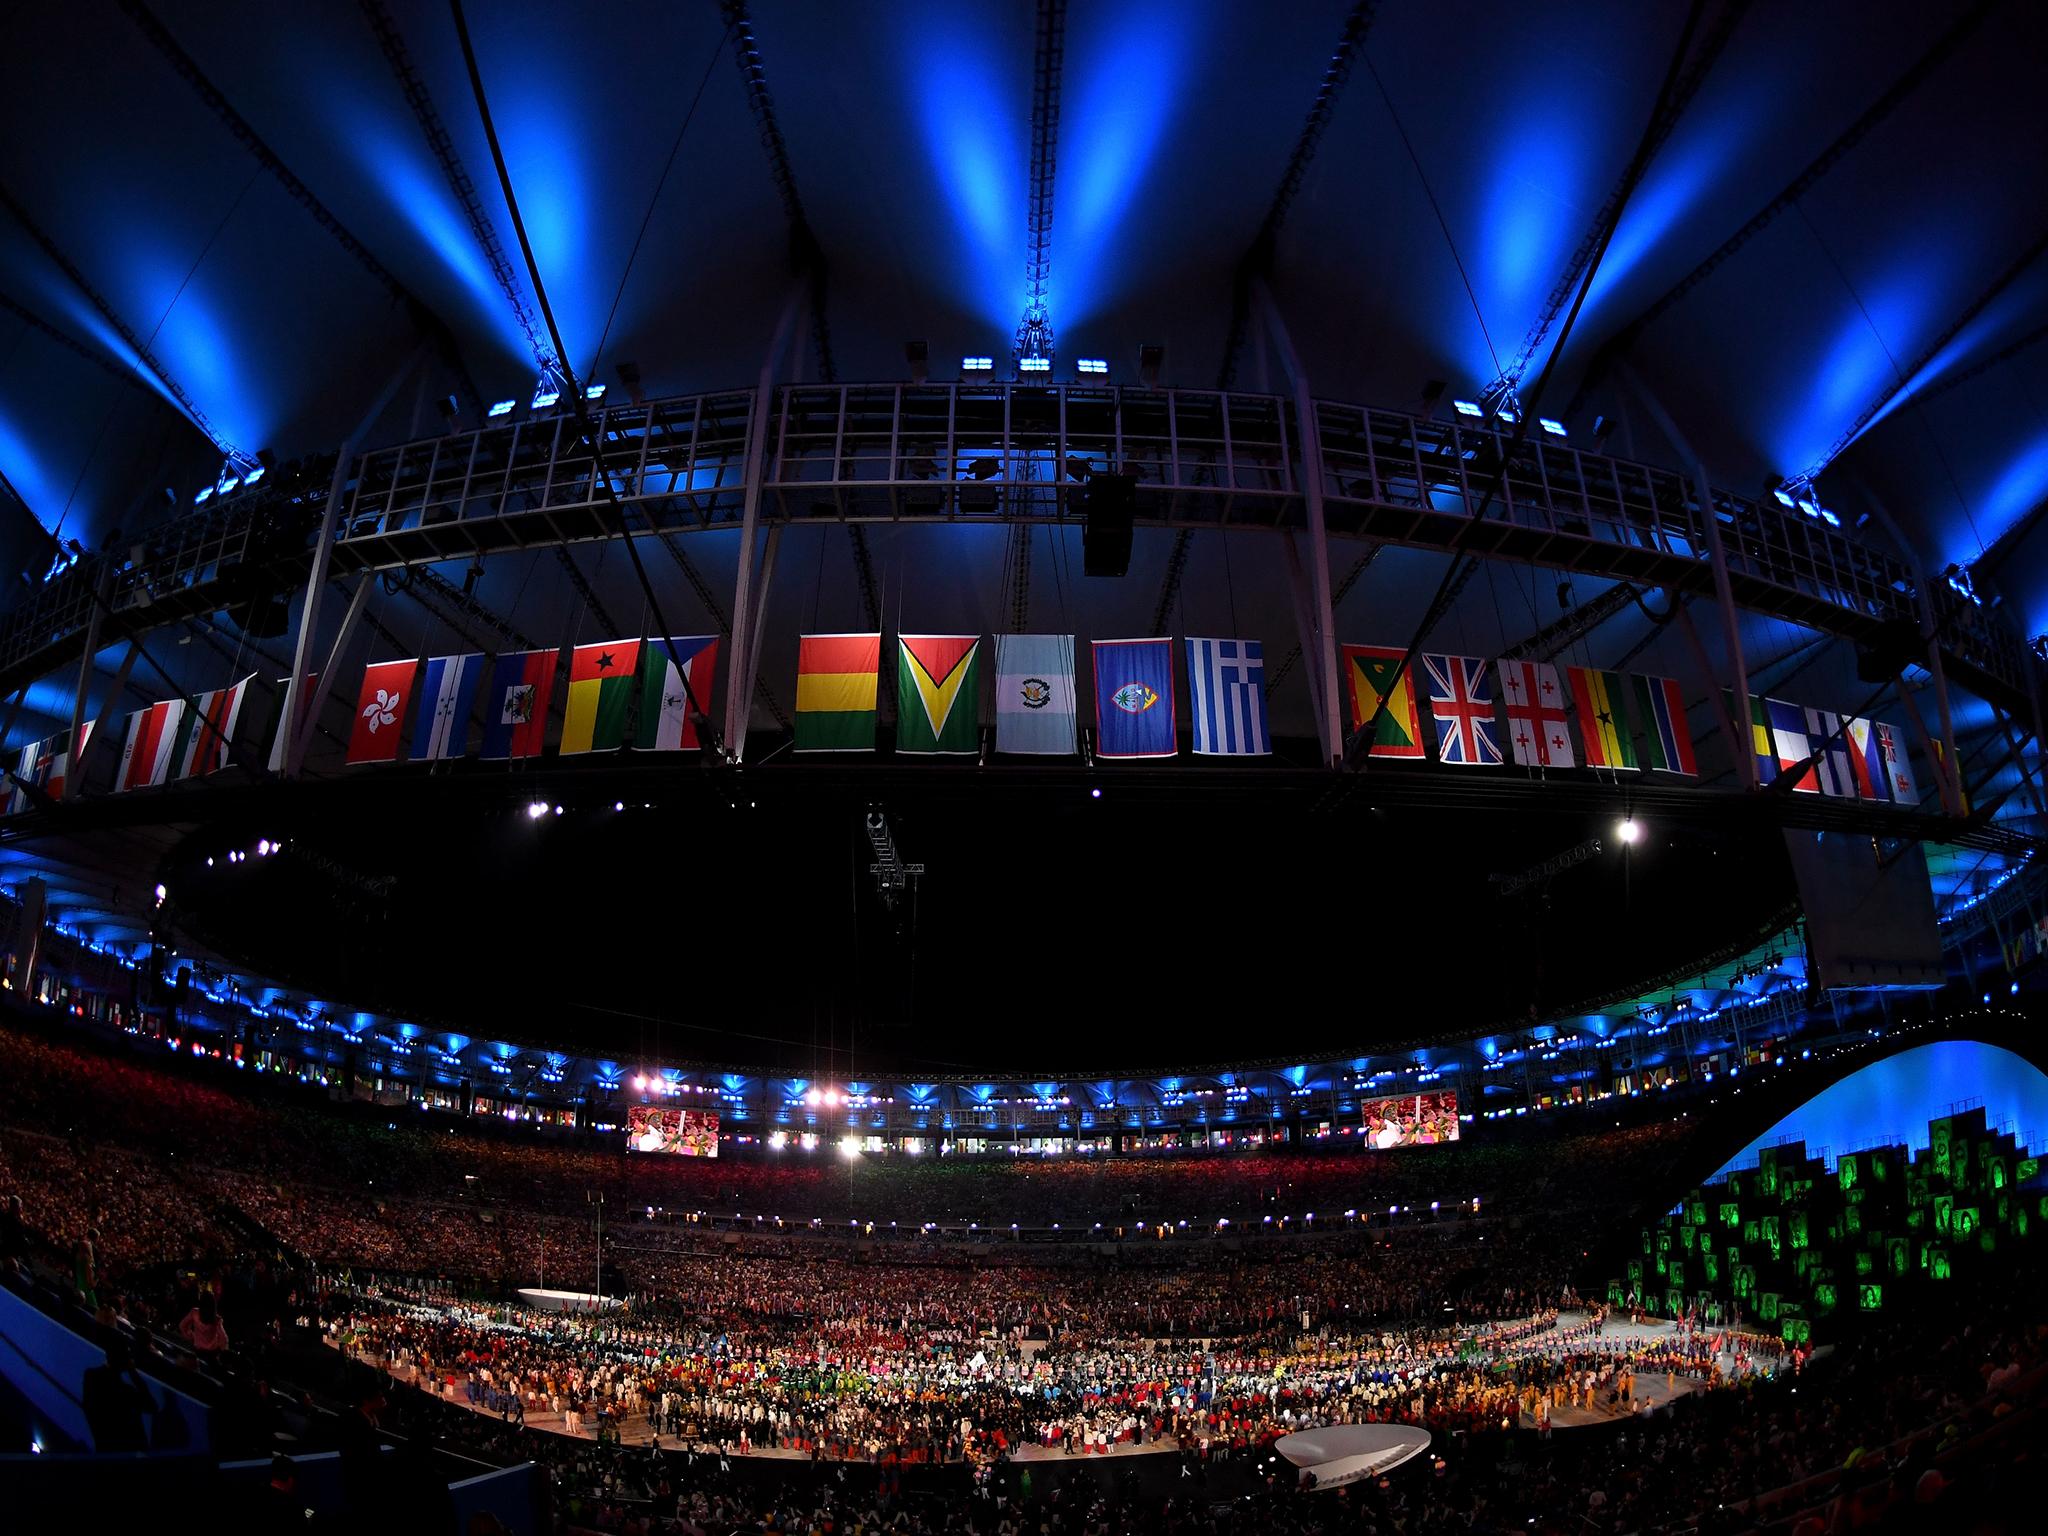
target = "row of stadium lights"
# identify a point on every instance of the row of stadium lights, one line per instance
(817, 1223)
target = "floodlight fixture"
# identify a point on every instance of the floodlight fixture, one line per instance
(1034, 365)
(977, 363)
(1551, 425)
(1468, 408)
(543, 398)
(1091, 365)
(501, 408)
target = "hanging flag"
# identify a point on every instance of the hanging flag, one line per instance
(1373, 673)
(380, 706)
(1866, 760)
(53, 768)
(1898, 768)
(1035, 695)
(208, 738)
(1763, 746)
(1791, 744)
(938, 693)
(1227, 698)
(25, 770)
(1962, 787)
(1461, 702)
(516, 707)
(1603, 718)
(835, 692)
(600, 689)
(1667, 737)
(666, 721)
(442, 705)
(1134, 714)
(1831, 740)
(1538, 733)
(279, 737)
(146, 753)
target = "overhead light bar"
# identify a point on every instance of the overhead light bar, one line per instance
(252, 477)
(1551, 425)
(544, 398)
(1784, 496)
(229, 484)
(976, 364)
(593, 392)
(501, 408)
(1034, 365)
(1468, 408)
(203, 495)
(1091, 365)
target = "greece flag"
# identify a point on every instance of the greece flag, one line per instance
(1227, 686)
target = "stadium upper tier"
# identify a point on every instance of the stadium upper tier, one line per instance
(1009, 453)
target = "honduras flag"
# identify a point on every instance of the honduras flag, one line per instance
(1227, 697)
(446, 699)
(1134, 698)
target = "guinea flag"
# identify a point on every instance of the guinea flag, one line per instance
(1373, 672)
(1603, 719)
(835, 692)
(600, 689)
(938, 693)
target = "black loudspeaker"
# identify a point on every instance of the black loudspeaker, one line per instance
(1110, 502)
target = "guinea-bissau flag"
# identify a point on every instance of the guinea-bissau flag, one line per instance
(600, 691)
(1603, 719)
(1372, 673)
(835, 692)
(938, 693)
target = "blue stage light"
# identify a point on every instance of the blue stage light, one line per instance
(502, 408)
(1551, 425)
(1467, 408)
(1091, 365)
(544, 398)
(1034, 365)
(230, 484)
(204, 494)
(252, 477)
(976, 364)
(594, 392)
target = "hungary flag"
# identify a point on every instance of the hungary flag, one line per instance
(600, 689)
(938, 693)
(1603, 719)
(835, 692)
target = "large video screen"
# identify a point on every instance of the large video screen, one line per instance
(1413, 1120)
(679, 1132)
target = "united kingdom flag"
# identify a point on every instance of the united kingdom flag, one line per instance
(1461, 702)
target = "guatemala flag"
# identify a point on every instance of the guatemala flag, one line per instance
(443, 705)
(1227, 697)
(1134, 698)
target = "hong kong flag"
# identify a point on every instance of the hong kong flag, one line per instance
(387, 689)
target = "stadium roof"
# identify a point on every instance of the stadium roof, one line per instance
(230, 227)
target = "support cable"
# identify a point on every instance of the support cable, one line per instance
(707, 731)
(1617, 345)
(1343, 590)
(718, 614)
(1034, 331)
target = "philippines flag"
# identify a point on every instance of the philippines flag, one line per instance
(516, 708)
(1461, 702)
(1866, 761)
(1134, 699)
(1227, 698)
(1830, 740)
(442, 705)
(146, 754)
(386, 691)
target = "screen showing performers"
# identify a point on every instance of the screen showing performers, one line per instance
(1414, 1120)
(679, 1132)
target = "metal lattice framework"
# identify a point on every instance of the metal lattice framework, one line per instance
(1006, 453)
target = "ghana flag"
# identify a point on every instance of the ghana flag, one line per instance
(835, 692)
(1373, 672)
(600, 689)
(938, 693)
(1603, 719)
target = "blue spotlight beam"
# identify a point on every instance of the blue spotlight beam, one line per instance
(121, 327)
(392, 42)
(188, 70)
(1617, 345)
(1695, 73)
(806, 254)
(1902, 382)
(1034, 330)
(69, 342)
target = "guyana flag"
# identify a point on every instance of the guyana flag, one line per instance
(938, 693)
(835, 692)
(1373, 672)
(1603, 718)
(600, 689)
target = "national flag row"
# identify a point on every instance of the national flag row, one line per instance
(651, 693)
